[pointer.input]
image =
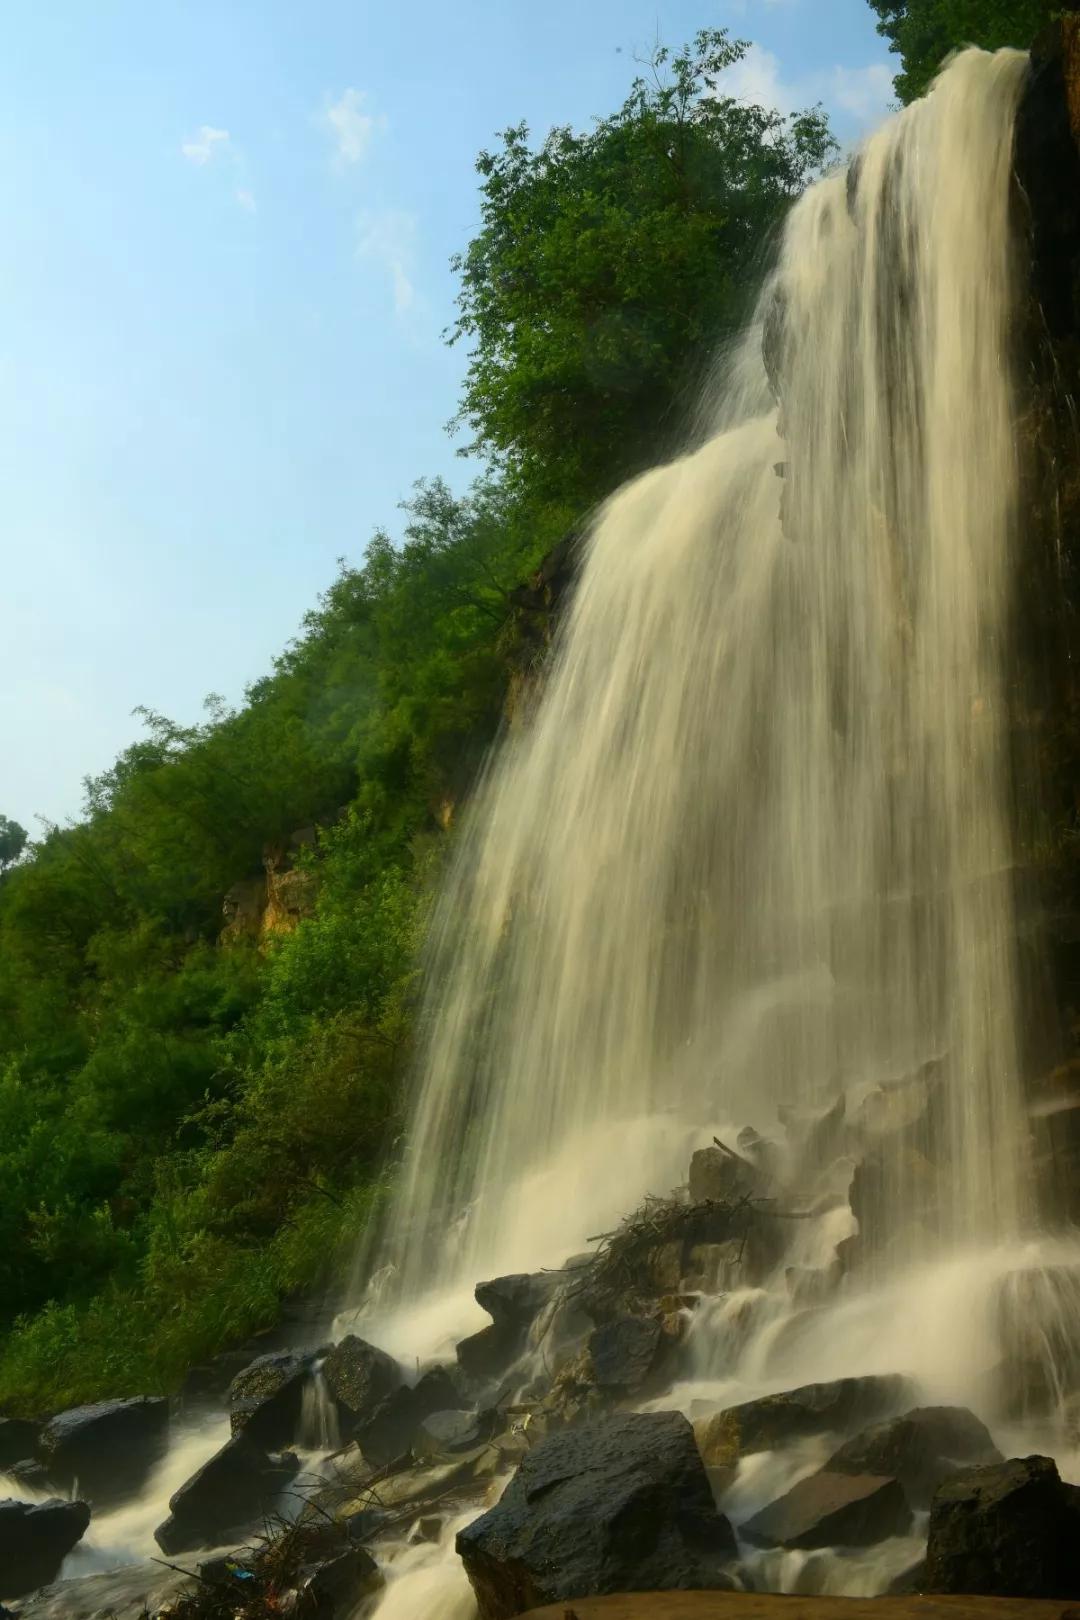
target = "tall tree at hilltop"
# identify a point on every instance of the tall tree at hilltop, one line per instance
(923, 32)
(12, 842)
(610, 264)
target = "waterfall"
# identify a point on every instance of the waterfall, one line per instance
(754, 847)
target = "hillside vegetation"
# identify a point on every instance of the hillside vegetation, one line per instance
(197, 1120)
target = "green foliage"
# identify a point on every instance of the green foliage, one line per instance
(609, 265)
(924, 32)
(12, 842)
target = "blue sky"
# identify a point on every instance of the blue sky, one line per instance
(223, 279)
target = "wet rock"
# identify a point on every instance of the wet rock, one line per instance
(909, 1581)
(625, 1354)
(338, 1585)
(920, 1449)
(615, 1506)
(1010, 1530)
(360, 1377)
(29, 1472)
(884, 1181)
(774, 1420)
(713, 1268)
(513, 1303)
(266, 1397)
(444, 1434)
(718, 1177)
(108, 1447)
(18, 1440)
(833, 1510)
(392, 1428)
(229, 1493)
(35, 1538)
(1037, 1313)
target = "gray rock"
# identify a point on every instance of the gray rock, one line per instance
(266, 1397)
(833, 1510)
(392, 1428)
(1008, 1530)
(920, 1449)
(513, 1303)
(625, 1353)
(108, 1448)
(360, 1377)
(338, 1585)
(227, 1495)
(445, 1434)
(774, 1420)
(616, 1506)
(717, 1177)
(35, 1538)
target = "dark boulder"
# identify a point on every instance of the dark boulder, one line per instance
(625, 1354)
(360, 1377)
(18, 1440)
(108, 1448)
(774, 1420)
(265, 1399)
(227, 1495)
(1008, 1530)
(35, 1538)
(718, 1177)
(833, 1510)
(513, 1303)
(392, 1428)
(337, 1586)
(617, 1506)
(920, 1449)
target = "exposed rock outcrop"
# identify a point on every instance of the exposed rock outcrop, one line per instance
(265, 1399)
(35, 1538)
(108, 1447)
(360, 1376)
(1010, 1529)
(920, 1449)
(833, 1510)
(224, 1498)
(776, 1420)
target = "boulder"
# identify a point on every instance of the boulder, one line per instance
(615, 1506)
(718, 1177)
(35, 1538)
(920, 1449)
(513, 1303)
(774, 1420)
(224, 1497)
(18, 1441)
(107, 1448)
(833, 1510)
(265, 1399)
(624, 1354)
(446, 1434)
(360, 1377)
(392, 1428)
(1010, 1530)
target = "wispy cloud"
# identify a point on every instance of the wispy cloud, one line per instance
(211, 145)
(863, 95)
(387, 239)
(200, 148)
(351, 125)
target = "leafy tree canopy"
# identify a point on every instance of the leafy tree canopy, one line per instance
(12, 842)
(609, 265)
(923, 32)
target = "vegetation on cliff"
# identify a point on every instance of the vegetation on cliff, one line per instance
(194, 1119)
(923, 32)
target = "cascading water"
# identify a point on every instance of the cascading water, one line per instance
(755, 845)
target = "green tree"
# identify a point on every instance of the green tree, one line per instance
(923, 32)
(610, 264)
(12, 842)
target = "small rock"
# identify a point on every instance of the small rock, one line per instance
(774, 1420)
(833, 1510)
(337, 1586)
(266, 1397)
(624, 1353)
(35, 1538)
(108, 1447)
(360, 1377)
(1007, 1530)
(920, 1449)
(616, 1506)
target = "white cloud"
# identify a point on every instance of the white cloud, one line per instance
(388, 240)
(757, 80)
(351, 125)
(200, 148)
(246, 199)
(865, 93)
